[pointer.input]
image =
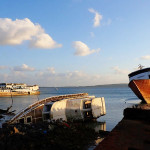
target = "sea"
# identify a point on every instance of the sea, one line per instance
(117, 98)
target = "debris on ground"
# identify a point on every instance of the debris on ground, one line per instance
(48, 136)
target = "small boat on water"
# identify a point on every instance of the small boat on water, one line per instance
(71, 107)
(139, 82)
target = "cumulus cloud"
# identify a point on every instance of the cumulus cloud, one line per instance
(44, 41)
(82, 49)
(3, 67)
(50, 78)
(98, 17)
(75, 78)
(51, 70)
(120, 71)
(76, 74)
(24, 67)
(17, 31)
(147, 57)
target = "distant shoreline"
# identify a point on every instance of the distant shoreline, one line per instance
(106, 85)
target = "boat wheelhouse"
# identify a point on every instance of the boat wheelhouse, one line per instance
(140, 74)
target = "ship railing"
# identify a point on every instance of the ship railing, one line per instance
(29, 110)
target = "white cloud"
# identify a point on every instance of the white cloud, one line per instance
(13, 77)
(24, 67)
(120, 71)
(49, 77)
(76, 74)
(51, 70)
(18, 74)
(18, 31)
(97, 19)
(74, 78)
(82, 49)
(44, 41)
(147, 57)
(3, 67)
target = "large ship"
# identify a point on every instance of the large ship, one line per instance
(17, 89)
(139, 82)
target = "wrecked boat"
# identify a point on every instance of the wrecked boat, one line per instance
(72, 107)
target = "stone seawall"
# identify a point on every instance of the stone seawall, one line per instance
(8, 94)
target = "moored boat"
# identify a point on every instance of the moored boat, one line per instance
(139, 82)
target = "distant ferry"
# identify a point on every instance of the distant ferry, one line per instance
(139, 82)
(17, 89)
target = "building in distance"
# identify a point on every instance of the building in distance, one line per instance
(17, 89)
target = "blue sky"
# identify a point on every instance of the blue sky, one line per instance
(73, 42)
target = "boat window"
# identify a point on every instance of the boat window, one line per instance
(47, 108)
(149, 76)
(87, 104)
(46, 116)
(88, 114)
(21, 120)
(29, 119)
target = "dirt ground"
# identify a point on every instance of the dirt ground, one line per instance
(132, 132)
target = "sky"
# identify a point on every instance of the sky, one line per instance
(56, 43)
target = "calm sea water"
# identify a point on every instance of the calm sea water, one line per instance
(117, 98)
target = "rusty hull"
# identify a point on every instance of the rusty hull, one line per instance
(141, 88)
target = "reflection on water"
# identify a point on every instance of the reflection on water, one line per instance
(133, 100)
(97, 126)
(4, 118)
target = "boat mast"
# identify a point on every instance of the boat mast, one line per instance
(140, 67)
(11, 102)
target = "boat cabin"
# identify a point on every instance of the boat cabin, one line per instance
(74, 109)
(140, 74)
